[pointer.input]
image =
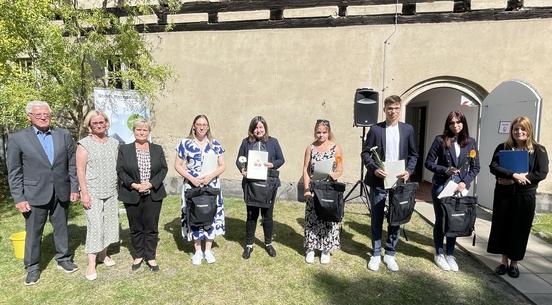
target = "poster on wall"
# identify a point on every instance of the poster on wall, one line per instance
(122, 107)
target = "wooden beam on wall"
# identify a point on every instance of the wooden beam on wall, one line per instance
(408, 7)
(461, 6)
(514, 5)
(317, 22)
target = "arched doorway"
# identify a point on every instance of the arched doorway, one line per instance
(427, 105)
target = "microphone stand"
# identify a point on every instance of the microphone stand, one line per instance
(363, 191)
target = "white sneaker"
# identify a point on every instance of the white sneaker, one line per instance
(441, 261)
(209, 257)
(197, 258)
(325, 257)
(452, 263)
(374, 263)
(391, 263)
(309, 258)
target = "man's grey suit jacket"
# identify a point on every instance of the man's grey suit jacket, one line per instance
(31, 176)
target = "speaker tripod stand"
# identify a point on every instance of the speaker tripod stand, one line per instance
(363, 189)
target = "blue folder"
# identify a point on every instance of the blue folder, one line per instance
(516, 161)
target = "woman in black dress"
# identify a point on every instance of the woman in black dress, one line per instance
(514, 197)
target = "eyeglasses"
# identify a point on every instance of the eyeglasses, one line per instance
(201, 125)
(40, 115)
(322, 122)
(98, 123)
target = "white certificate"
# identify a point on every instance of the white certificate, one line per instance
(393, 169)
(209, 163)
(322, 169)
(256, 168)
(450, 189)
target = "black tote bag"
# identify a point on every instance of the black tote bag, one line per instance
(402, 199)
(259, 193)
(459, 215)
(201, 204)
(328, 200)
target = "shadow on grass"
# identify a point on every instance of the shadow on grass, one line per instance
(174, 227)
(396, 289)
(350, 246)
(405, 247)
(77, 237)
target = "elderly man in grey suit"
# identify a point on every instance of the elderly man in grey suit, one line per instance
(43, 180)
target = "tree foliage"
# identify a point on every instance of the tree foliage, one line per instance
(54, 51)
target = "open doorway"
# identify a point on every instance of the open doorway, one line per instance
(427, 112)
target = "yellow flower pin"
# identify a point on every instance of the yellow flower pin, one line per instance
(473, 153)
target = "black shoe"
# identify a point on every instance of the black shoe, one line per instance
(501, 269)
(153, 268)
(33, 277)
(67, 266)
(135, 267)
(513, 271)
(247, 252)
(270, 250)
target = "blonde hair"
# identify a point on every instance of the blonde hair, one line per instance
(526, 124)
(92, 114)
(141, 122)
(326, 123)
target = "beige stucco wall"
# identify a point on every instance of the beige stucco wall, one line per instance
(294, 76)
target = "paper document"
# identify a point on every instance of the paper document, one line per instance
(322, 169)
(450, 189)
(393, 169)
(256, 168)
(209, 163)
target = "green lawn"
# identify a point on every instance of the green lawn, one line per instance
(542, 226)
(260, 280)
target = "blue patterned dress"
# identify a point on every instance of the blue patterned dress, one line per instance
(189, 151)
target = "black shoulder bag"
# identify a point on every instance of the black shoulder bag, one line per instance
(459, 213)
(402, 199)
(328, 200)
(259, 193)
(201, 204)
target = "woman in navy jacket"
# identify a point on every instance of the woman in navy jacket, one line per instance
(452, 155)
(258, 139)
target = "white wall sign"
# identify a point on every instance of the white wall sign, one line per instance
(503, 127)
(122, 107)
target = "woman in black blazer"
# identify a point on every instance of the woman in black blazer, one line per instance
(142, 167)
(514, 197)
(453, 155)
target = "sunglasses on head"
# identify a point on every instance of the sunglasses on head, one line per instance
(323, 122)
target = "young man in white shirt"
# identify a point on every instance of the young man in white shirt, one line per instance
(394, 141)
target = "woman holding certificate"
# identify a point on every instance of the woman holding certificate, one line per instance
(454, 161)
(514, 194)
(323, 161)
(200, 160)
(259, 145)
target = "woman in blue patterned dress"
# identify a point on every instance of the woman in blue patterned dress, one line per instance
(191, 152)
(319, 234)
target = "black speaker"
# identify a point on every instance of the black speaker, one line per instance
(366, 107)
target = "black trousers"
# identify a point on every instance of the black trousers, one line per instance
(34, 226)
(143, 220)
(251, 223)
